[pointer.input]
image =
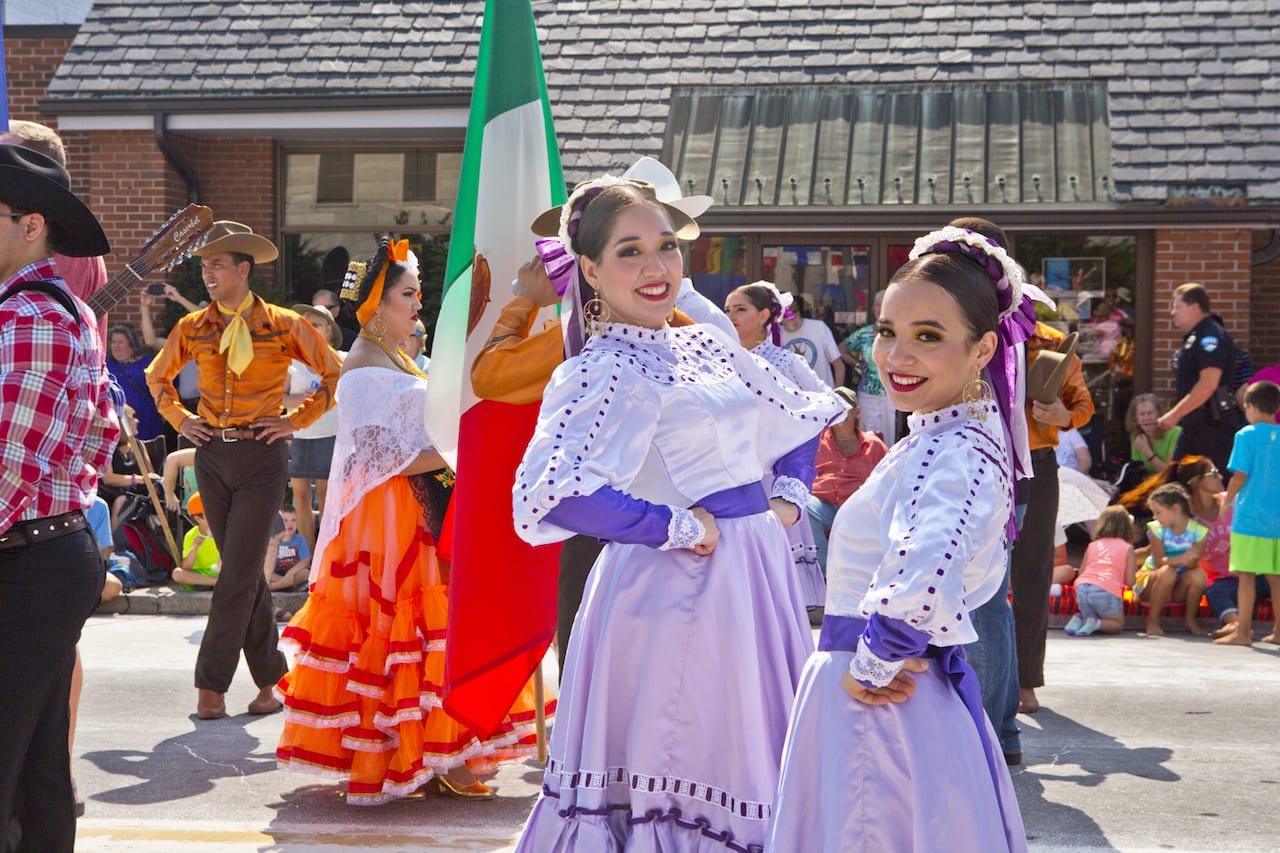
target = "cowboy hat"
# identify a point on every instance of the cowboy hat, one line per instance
(1049, 371)
(228, 236)
(31, 182)
(667, 188)
(323, 320)
(547, 224)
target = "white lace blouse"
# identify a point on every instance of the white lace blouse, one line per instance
(791, 365)
(668, 416)
(923, 541)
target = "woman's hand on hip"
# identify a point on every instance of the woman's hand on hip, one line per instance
(787, 512)
(708, 543)
(902, 688)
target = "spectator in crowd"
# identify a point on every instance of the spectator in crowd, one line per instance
(1254, 492)
(57, 427)
(311, 450)
(1072, 452)
(179, 464)
(1172, 568)
(128, 363)
(846, 456)
(1204, 366)
(414, 346)
(242, 347)
(188, 379)
(125, 477)
(1108, 567)
(1149, 443)
(200, 564)
(878, 415)
(1268, 374)
(293, 556)
(814, 342)
(328, 300)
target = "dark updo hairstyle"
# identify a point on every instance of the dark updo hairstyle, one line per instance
(371, 270)
(599, 212)
(764, 298)
(967, 282)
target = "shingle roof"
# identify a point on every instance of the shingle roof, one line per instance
(1194, 85)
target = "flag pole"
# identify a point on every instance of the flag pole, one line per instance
(540, 714)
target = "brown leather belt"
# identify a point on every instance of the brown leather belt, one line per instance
(26, 533)
(232, 434)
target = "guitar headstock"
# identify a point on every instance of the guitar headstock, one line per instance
(175, 240)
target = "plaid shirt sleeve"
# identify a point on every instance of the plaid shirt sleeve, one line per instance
(57, 426)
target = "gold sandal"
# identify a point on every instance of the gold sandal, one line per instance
(475, 791)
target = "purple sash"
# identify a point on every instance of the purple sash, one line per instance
(843, 633)
(736, 502)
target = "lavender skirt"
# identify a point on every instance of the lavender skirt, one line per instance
(673, 707)
(908, 777)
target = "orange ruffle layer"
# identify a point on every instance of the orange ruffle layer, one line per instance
(363, 700)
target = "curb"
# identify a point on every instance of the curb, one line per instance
(171, 601)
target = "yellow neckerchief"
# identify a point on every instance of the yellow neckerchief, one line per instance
(236, 341)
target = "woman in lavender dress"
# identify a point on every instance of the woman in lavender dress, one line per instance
(911, 763)
(685, 654)
(756, 313)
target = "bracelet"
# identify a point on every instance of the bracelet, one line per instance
(133, 479)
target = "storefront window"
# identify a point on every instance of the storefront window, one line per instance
(835, 281)
(1093, 280)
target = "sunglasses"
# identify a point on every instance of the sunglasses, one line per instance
(1212, 472)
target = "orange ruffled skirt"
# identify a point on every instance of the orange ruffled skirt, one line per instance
(363, 699)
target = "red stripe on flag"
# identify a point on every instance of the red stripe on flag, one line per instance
(502, 591)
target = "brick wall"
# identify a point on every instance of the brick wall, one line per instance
(1265, 306)
(1217, 259)
(30, 64)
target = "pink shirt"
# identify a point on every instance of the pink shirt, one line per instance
(1217, 546)
(1104, 564)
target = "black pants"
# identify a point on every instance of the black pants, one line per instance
(46, 593)
(577, 556)
(1201, 436)
(1031, 574)
(241, 484)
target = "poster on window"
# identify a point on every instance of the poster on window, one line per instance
(1074, 274)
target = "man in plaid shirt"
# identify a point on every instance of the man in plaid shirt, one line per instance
(57, 428)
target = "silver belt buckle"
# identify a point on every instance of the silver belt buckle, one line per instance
(225, 438)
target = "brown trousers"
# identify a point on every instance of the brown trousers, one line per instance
(241, 484)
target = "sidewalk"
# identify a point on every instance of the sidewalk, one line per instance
(170, 601)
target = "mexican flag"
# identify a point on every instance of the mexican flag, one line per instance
(502, 592)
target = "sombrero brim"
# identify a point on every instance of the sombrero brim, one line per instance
(547, 223)
(82, 234)
(262, 250)
(1043, 385)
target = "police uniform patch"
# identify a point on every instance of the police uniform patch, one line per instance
(1209, 343)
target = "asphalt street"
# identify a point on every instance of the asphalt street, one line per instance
(1143, 744)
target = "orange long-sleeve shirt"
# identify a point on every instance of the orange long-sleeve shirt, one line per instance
(1075, 394)
(227, 400)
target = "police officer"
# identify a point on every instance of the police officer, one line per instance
(1204, 365)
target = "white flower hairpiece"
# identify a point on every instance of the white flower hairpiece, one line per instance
(583, 189)
(1008, 284)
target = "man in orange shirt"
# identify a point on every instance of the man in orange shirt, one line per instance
(242, 347)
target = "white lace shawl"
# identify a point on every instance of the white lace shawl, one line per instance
(381, 429)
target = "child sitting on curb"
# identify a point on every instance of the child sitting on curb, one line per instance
(1172, 569)
(1109, 565)
(200, 559)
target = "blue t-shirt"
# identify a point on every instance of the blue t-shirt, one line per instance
(1257, 454)
(292, 551)
(99, 517)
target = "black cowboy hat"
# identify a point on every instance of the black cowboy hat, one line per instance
(31, 182)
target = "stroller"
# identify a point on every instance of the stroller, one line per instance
(139, 535)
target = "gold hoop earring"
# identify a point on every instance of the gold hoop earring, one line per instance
(977, 393)
(596, 314)
(377, 327)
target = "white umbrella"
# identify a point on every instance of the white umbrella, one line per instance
(1080, 499)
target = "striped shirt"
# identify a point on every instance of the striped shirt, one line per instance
(57, 425)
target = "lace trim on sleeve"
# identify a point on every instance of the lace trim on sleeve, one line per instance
(683, 531)
(792, 491)
(871, 670)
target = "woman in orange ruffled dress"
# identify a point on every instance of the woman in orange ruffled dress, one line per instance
(362, 701)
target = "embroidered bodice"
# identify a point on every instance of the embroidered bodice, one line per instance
(791, 365)
(923, 541)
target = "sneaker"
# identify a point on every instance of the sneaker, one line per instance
(1074, 626)
(1093, 623)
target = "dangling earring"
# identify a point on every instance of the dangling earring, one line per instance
(596, 313)
(764, 335)
(377, 327)
(977, 393)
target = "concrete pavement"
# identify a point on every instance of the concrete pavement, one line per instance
(1142, 745)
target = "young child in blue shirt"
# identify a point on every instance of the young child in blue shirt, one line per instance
(1255, 491)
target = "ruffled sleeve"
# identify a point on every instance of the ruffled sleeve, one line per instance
(945, 555)
(594, 431)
